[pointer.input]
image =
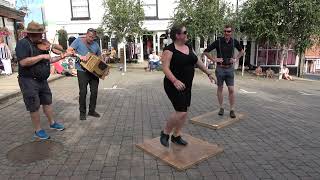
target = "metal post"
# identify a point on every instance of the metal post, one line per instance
(243, 60)
(244, 56)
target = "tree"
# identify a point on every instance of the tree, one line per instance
(63, 38)
(24, 6)
(100, 32)
(284, 23)
(123, 17)
(306, 28)
(201, 17)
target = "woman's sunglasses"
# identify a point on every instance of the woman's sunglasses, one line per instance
(183, 32)
(228, 31)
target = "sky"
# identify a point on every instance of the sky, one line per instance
(35, 10)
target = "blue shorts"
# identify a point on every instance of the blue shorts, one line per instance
(225, 75)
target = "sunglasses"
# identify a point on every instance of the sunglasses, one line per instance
(183, 32)
(91, 30)
(227, 31)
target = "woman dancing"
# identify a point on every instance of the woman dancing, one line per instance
(179, 61)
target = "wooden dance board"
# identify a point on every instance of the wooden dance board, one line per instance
(214, 121)
(181, 157)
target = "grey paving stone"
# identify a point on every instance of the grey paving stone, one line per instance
(268, 144)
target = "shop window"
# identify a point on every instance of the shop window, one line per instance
(270, 55)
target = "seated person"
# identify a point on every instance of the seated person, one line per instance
(113, 55)
(270, 73)
(259, 71)
(285, 73)
(105, 56)
(154, 61)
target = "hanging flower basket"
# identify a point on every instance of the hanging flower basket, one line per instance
(4, 31)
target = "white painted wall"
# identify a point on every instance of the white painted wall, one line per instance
(58, 16)
(8, 3)
(11, 39)
(166, 8)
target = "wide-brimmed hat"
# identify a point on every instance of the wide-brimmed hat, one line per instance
(35, 28)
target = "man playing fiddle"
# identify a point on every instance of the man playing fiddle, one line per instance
(83, 46)
(34, 70)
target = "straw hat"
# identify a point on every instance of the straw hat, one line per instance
(35, 28)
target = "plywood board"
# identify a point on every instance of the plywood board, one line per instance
(214, 121)
(181, 157)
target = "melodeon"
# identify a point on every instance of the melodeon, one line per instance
(96, 66)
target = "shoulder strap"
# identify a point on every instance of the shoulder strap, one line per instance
(232, 48)
(31, 48)
(220, 48)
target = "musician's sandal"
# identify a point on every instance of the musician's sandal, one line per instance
(41, 134)
(178, 140)
(232, 114)
(94, 114)
(57, 126)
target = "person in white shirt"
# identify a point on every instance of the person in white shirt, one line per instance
(5, 57)
(285, 73)
(154, 61)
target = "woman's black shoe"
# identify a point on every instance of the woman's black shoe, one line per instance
(164, 139)
(232, 114)
(221, 112)
(178, 140)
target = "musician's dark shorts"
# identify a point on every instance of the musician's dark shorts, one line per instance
(225, 75)
(35, 93)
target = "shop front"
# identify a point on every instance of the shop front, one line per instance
(312, 60)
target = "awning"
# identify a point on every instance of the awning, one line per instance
(11, 13)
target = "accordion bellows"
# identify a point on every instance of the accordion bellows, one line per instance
(95, 66)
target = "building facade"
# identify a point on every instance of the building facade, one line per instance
(9, 18)
(267, 55)
(76, 16)
(312, 60)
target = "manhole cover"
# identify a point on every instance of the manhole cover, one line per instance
(34, 151)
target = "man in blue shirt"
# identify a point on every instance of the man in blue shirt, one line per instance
(83, 46)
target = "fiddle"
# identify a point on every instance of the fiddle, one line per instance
(45, 45)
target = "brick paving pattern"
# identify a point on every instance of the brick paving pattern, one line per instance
(280, 139)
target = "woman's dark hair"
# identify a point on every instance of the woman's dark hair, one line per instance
(175, 29)
(228, 26)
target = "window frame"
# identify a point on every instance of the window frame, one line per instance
(80, 18)
(157, 13)
(277, 60)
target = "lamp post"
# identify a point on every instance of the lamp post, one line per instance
(244, 39)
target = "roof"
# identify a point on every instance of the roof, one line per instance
(11, 13)
(313, 52)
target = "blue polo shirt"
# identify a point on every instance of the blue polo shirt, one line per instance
(83, 50)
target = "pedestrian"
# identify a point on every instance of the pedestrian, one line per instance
(154, 61)
(225, 65)
(179, 61)
(34, 70)
(5, 57)
(83, 46)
